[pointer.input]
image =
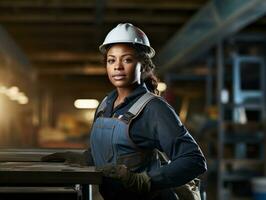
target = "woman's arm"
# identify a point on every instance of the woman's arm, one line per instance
(171, 137)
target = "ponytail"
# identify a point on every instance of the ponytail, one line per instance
(147, 68)
(151, 81)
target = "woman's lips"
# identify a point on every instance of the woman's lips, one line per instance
(119, 77)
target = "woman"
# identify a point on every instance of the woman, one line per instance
(133, 125)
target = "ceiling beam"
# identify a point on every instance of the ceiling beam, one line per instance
(46, 18)
(156, 6)
(45, 4)
(89, 18)
(50, 29)
(148, 19)
(57, 43)
(64, 56)
(249, 37)
(215, 21)
(76, 29)
(74, 70)
(109, 5)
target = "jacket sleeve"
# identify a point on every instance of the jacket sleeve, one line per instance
(186, 159)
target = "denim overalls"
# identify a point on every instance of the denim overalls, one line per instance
(111, 143)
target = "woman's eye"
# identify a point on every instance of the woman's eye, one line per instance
(110, 61)
(128, 60)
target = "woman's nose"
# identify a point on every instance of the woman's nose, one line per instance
(119, 65)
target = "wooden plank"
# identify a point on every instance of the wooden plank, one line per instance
(22, 190)
(28, 155)
(24, 173)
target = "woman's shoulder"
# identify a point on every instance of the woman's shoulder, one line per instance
(159, 103)
(160, 110)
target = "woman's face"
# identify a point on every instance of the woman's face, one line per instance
(123, 68)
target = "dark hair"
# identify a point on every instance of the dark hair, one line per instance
(147, 67)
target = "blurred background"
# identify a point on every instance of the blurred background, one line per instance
(210, 58)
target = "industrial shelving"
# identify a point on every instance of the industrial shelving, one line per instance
(241, 129)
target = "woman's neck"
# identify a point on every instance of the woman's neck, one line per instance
(122, 93)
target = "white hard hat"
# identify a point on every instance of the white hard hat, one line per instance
(127, 33)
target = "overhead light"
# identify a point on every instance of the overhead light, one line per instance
(22, 100)
(86, 103)
(14, 94)
(161, 86)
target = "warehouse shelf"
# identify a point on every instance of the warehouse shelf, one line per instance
(251, 138)
(241, 127)
(243, 161)
(238, 177)
(251, 125)
(240, 198)
(246, 105)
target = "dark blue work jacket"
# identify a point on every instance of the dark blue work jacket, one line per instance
(156, 127)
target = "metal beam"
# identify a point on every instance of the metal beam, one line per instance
(45, 18)
(79, 30)
(28, 18)
(37, 30)
(156, 6)
(77, 44)
(77, 70)
(215, 21)
(249, 37)
(65, 56)
(110, 5)
(46, 4)
(50, 29)
(16, 58)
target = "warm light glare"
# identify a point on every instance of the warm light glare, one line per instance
(3, 89)
(86, 103)
(161, 86)
(14, 94)
(23, 100)
(13, 90)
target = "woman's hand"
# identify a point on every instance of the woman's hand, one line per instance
(136, 182)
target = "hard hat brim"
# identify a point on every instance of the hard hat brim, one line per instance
(102, 47)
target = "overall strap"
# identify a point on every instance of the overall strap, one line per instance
(134, 110)
(101, 108)
(137, 107)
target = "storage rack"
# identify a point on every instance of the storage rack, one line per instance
(241, 131)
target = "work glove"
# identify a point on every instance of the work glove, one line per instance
(135, 182)
(70, 158)
(189, 191)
